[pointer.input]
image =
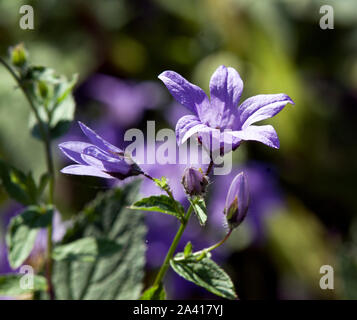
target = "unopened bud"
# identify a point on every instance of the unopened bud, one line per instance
(194, 181)
(237, 201)
(19, 55)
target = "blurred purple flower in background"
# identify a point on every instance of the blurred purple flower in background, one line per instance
(211, 117)
(126, 100)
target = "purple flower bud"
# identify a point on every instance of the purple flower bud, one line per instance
(237, 201)
(194, 181)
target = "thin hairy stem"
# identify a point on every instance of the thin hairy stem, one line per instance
(50, 169)
(172, 249)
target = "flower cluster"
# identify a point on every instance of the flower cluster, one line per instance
(217, 122)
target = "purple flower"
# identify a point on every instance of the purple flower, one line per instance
(194, 181)
(237, 201)
(98, 158)
(220, 118)
(126, 100)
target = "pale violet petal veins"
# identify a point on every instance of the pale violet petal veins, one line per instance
(83, 170)
(99, 141)
(184, 124)
(73, 150)
(261, 107)
(186, 93)
(226, 88)
(97, 158)
(265, 134)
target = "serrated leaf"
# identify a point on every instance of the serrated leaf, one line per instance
(199, 207)
(85, 249)
(115, 276)
(162, 203)
(205, 273)
(154, 293)
(16, 184)
(10, 285)
(22, 232)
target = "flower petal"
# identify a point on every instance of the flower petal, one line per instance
(202, 130)
(183, 125)
(262, 107)
(226, 88)
(73, 149)
(265, 134)
(97, 158)
(83, 170)
(99, 141)
(228, 141)
(186, 93)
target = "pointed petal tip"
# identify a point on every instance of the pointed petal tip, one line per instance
(63, 170)
(289, 100)
(64, 145)
(82, 125)
(164, 74)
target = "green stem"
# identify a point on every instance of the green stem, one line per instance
(202, 253)
(215, 246)
(172, 249)
(50, 169)
(175, 242)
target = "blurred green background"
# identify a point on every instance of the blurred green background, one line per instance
(277, 46)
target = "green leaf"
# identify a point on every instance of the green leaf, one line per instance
(154, 293)
(205, 273)
(188, 249)
(162, 183)
(162, 203)
(53, 97)
(22, 232)
(16, 184)
(199, 207)
(86, 249)
(44, 179)
(117, 275)
(62, 117)
(10, 285)
(59, 122)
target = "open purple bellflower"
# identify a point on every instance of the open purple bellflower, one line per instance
(221, 116)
